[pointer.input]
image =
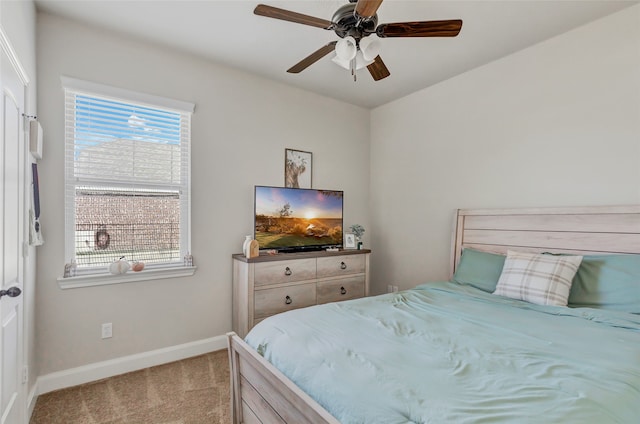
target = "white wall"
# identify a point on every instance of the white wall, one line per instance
(557, 124)
(240, 129)
(18, 21)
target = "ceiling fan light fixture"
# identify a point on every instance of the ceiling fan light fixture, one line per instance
(346, 48)
(346, 64)
(360, 62)
(370, 48)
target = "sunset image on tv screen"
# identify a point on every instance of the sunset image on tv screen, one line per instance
(289, 217)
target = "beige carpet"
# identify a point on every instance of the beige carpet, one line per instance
(192, 391)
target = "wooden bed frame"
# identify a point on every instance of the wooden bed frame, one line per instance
(262, 394)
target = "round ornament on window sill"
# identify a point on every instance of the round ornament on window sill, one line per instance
(119, 267)
(137, 266)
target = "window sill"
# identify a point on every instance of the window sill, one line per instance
(130, 277)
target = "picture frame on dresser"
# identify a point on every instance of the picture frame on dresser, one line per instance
(349, 241)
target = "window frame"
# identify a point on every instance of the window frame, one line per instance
(95, 276)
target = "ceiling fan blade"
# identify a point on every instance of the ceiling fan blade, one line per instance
(367, 8)
(449, 28)
(287, 15)
(378, 69)
(312, 58)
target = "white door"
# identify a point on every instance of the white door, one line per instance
(12, 234)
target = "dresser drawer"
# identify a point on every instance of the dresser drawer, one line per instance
(269, 302)
(342, 289)
(267, 273)
(333, 266)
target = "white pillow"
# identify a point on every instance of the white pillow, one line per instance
(537, 278)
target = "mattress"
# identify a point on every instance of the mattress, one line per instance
(445, 352)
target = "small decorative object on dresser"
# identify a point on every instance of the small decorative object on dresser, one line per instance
(268, 285)
(245, 245)
(253, 249)
(349, 241)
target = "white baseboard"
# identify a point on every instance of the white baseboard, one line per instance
(31, 400)
(99, 370)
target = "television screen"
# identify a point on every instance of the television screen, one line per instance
(297, 219)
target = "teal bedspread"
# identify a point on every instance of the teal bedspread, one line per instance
(448, 353)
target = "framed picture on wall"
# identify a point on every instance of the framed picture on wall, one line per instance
(297, 168)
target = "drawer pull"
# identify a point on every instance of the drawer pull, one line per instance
(343, 265)
(287, 271)
(343, 290)
(288, 300)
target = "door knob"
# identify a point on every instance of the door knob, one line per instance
(11, 292)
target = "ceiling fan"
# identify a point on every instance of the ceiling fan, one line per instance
(354, 23)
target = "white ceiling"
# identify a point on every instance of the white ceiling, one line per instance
(228, 33)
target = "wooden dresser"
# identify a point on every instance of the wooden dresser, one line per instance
(267, 285)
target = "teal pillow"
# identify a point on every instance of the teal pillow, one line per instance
(479, 269)
(607, 282)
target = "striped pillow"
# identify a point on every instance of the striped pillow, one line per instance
(540, 279)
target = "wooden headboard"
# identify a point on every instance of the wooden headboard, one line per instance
(579, 230)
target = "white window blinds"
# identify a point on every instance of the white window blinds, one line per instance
(127, 179)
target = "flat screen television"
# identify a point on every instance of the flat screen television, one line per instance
(297, 219)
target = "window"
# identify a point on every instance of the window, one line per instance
(127, 177)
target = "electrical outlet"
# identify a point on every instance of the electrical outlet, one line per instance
(107, 330)
(25, 374)
(395, 289)
(392, 289)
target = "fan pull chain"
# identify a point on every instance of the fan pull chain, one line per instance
(353, 69)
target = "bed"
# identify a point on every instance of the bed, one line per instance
(454, 352)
